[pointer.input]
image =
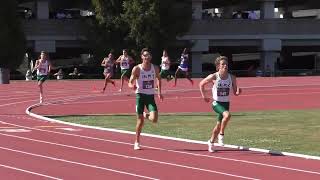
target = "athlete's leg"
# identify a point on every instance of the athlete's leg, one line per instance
(153, 116)
(188, 77)
(162, 73)
(105, 82)
(109, 76)
(214, 135)
(225, 120)
(112, 82)
(40, 83)
(140, 100)
(222, 109)
(168, 76)
(176, 76)
(139, 125)
(215, 132)
(122, 80)
(126, 78)
(152, 108)
(108, 79)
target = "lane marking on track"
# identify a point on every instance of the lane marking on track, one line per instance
(168, 150)
(174, 98)
(30, 172)
(15, 130)
(69, 129)
(54, 98)
(77, 163)
(256, 86)
(49, 126)
(178, 139)
(129, 157)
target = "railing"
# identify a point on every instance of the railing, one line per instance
(255, 27)
(74, 28)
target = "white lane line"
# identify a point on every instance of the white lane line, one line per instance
(162, 149)
(52, 97)
(63, 99)
(280, 94)
(129, 157)
(30, 172)
(77, 163)
(171, 98)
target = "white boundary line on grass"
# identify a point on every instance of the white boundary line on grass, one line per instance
(28, 111)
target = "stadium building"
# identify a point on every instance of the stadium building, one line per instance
(265, 36)
(56, 27)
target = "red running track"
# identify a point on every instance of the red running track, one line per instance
(35, 149)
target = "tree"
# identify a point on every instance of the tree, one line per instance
(12, 39)
(107, 32)
(157, 23)
(135, 24)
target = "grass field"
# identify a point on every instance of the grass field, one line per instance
(289, 131)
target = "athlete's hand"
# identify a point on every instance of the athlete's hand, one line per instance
(132, 86)
(160, 97)
(206, 99)
(239, 91)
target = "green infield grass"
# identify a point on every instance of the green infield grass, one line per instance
(295, 131)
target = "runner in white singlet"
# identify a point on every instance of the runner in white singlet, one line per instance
(125, 62)
(43, 67)
(143, 79)
(108, 63)
(165, 66)
(224, 83)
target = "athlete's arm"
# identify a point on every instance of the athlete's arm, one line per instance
(134, 75)
(236, 89)
(203, 83)
(36, 66)
(168, 61)
(119, 59)
(131, 60)
(49, 66)
(158, 82)
(103, 63)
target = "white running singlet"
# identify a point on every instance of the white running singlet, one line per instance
(43, 69)
(221, 89)
(164, 63)
(124, 64)
(145, 82)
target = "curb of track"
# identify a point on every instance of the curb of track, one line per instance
(271, 152)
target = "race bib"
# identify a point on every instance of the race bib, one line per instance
(223, 91)
(148, 84)
(42, 70)
(124, 64)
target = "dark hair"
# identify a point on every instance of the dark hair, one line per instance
(44, 52)
(145, 49)
(125, 50)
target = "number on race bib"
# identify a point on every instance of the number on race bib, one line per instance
(148, 84)
(124, 63)
(223, 91)
(42, 70)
